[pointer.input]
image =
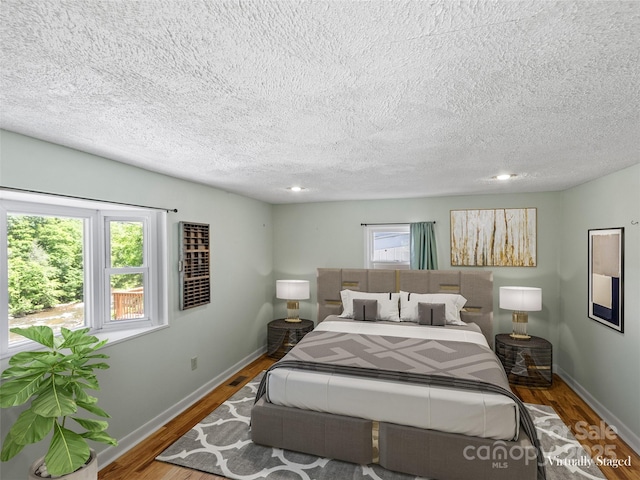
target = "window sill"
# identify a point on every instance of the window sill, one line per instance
(114, 337)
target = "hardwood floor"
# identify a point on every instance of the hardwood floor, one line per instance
(586, 425)
(140, 464)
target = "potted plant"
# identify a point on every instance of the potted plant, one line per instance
(55, 381)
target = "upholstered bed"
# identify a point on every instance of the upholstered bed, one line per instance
(400, 406)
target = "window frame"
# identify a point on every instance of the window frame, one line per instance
(146, 270)
(96, 253)
(369, 233)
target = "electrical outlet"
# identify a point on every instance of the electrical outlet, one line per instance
(194, 363)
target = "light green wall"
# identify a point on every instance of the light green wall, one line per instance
(308, 236)
(604, 363)
(152, 373)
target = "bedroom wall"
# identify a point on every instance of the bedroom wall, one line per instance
(602, 364)
(151, 374)
(312, 235)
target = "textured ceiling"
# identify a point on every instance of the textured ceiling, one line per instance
(350, 99)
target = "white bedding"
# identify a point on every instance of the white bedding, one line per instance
(478, 414)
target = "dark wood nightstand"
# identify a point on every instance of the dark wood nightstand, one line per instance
(283, 335)
(526, 362)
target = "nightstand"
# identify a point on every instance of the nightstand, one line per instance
(526, 362)
(283, 335)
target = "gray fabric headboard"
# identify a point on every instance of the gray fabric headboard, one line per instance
(476, 286)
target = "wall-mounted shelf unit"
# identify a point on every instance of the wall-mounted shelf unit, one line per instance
(195, 277)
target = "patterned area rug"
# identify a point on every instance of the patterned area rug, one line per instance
(221, 445)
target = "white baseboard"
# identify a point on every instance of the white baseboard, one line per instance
(110, 454)
(622, 430)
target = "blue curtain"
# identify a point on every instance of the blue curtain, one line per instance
(424, 255)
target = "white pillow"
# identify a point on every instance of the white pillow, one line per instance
(453, 303)
(387, 304)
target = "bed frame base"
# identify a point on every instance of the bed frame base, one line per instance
(415, 451)
(316, 433)
(450, 456)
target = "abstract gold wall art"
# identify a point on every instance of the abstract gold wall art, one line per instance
(500, 237)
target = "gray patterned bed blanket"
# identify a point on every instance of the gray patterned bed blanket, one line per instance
(437, 363)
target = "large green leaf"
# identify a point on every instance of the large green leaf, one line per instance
(30, 427)
(26, 358)
(54, 402)
(68, 451)
(51, 361)
(92, 425)
(100, 344)
(77, 360)
(10, 448)
(38, 333)
(85, 350)
(102, 437)
(98, 365)
(98, 355)
(81, 385)
(77, 338)
(44, 385)
(20, 371)
(81, 395)
(90, 379)
(84, 371)
(91, 407)
(18, 391)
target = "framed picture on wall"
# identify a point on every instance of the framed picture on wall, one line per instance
(606, 277)
(498, 237)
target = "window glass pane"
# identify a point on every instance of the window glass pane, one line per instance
(45, 272)
(127, 241)
(390, 247)
(127, 296)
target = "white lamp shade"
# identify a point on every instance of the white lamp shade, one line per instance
(292, 289)
(521, 299)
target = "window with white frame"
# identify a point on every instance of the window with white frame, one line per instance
(74, 264)
(387, 246)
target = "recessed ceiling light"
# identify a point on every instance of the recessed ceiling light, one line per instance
(505, 176)
(295, 189)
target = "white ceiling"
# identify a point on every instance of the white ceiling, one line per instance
(350, 99)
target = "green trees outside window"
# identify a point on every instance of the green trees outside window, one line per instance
(45, 258)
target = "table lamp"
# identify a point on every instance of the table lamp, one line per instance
(292, 291)
(521, 300)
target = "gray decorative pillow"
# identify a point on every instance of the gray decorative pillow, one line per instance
(431, 314)
(365, 309)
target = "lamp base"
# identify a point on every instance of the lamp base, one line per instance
(293, 311)
(519, 321)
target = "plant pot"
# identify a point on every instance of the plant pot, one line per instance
(87, 472)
